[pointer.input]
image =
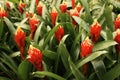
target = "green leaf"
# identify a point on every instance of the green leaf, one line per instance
(64, 54)
(10, 25)
(1, 28)
(4, 78)
(32, 6)
(78, 75)
(50, 54)
(112, 74)
(103, 45)
(88, 15)
(45, 73)
(23, 70)
(108, 17)
(14, 1)
(82, 23)
(99, 67)
(50, 35)
(37, 33)
(86, 60)
(9, 62)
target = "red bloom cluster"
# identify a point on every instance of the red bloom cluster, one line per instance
(21, 7)
(3, 13)
(86, 48)
(117, 39)
(19, 38)
(117, 22)
(36, 2)
(95, 30)
(59, 33)
(39, 8)
(33, 22)
(35, 57)
(53, 15)
(73, 4)
(63, 7)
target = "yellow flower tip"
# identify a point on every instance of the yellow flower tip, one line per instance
(31, 47)
(78, 4)
(75, 10)
(118, 16)
(118, 31)
(64, 2)
(40, 4)
(54, 9)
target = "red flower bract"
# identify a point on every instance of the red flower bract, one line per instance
(117, 22)
(117, 39)
(86, 48)
(95, 30)
(33, 25)
(39, 8)
(19, 38)
(35, 57)
(21, 7)
(59, 33)
(3, 13)
(53, 15)
(63, 7)
(73, 4)
(78, 7)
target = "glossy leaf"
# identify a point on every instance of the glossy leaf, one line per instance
(78, 75)
(103, 45)
(23, 70)
(49, 74)
(4, 78)
(10, 25)
(112, 74)
(108, 17)
(37, 33)
(64, 54)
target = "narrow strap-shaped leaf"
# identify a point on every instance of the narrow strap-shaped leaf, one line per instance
(50, 54)
(64, 54)
(108, 17)
(103, 45)
(88, 15)
(50, 74)
(14, 1)
(23, 70)
(78, 75)
(32, 6)
(85, 60)
(99, 67)
(81, 22)
(1, 28)
(112, 74)
(10, 25)
(37, 33)
(50, 35)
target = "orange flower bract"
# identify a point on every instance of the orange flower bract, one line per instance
(35, 57)
(117, 39)
(53, 15)
(33, 22)
(59, 33)
(95, 30)
(21, 7)
(39, 8)
(117, 22)
(86, 48)
(19, 38)
(63, 7)
(3, 13)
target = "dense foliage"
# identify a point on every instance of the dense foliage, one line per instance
(59, 40)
